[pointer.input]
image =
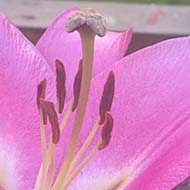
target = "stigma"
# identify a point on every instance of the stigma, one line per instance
(88, 23)
(89, 17)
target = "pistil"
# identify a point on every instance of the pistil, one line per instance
(88, 25)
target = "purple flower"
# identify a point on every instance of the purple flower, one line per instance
(149, 146)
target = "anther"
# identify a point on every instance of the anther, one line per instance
(107, 96)
(77, 86)
(88, 23)
(41, 92)
(60, 85)
(53, 119)
(90, 17)
(106, 131)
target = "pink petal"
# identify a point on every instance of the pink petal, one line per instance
(22, 67)
(58, 44)
(151, 110)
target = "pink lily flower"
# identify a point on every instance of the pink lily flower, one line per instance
(150, 139)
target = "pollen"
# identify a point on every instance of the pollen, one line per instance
(107, 97)
(77, 86)
(53, 119)
(41, 93)
(60, 85)
(106, 131)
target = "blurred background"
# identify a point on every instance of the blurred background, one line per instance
(178, 2)
(152, 20)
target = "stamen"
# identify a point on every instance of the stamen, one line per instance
(52, 166)
(60, 85)
(41, 178)
(48, 163)
(85, 145)
(47, 168)
(106, 131)
(107, 97)
(52, 115)
(66, 116)
(44, 180)
(42, 172)
(87, 31)
(88, 23)
(41, 92)
(81, 165)
(77, 86)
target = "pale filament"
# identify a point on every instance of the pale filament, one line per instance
(85, 145)
(71, 165)
(73, 174)
(51, 166)
(48, 155)
(87, 38)
(39, 181)
(66, 116)
(47, 169)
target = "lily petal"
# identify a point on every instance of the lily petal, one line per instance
(21, 69)
(150, 142)
(58, 44)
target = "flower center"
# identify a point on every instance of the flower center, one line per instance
(88, 23)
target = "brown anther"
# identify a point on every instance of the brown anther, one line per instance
(107, 96)
(53, 119)
(60, 85)
(77, 86)
(106, 131)
(41, 93)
